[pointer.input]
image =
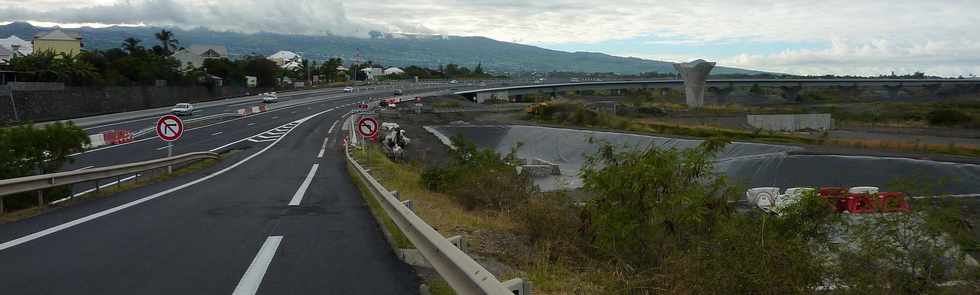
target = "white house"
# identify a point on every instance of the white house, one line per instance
(17, 45)
(373, 73)
(5, 55)
(286, 59)
(197, 53)
(393, 71)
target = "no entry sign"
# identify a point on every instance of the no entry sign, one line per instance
(169, 128)
(367, 127)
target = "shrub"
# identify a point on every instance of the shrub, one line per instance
(479, 178)
(649, 201)
(948, 117)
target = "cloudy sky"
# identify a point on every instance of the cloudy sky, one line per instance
(867, 37)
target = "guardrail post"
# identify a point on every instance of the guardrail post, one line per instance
(40, 198)
(1, 205)
(459, 242)
(518, 286)
(409, 205)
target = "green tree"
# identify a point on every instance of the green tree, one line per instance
(167, 41)
(132, 46)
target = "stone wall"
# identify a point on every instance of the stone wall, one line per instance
(73, 102)
(795, 122)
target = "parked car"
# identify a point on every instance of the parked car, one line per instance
(270, 97)
(398, 92)
(183, 109)
(348, 89)
(453, 82)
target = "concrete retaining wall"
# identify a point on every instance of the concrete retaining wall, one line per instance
(71, 102)
(795, 122)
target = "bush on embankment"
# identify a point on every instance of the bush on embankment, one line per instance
(661, 221)
(26, 150)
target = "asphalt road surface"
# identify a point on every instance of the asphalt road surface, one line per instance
(274, 217)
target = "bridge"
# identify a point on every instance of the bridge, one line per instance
(790, 87)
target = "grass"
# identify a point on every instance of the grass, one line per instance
(442, 212)
(652, 125)
(106, 192)
(447, 104)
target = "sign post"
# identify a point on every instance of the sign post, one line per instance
(367, 127)
(169, 128)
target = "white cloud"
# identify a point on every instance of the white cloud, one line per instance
(946, 58)
(865, 35)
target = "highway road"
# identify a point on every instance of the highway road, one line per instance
(276, 216)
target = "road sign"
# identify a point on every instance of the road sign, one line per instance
(367, 127)
(169, 128)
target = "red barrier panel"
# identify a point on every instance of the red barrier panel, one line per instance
(836, 196)
(117, 136)
(893, 202)
(860, 203)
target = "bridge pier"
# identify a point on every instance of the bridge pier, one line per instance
(893, 91)
(694, 74)
(722, 93)
(791, 93)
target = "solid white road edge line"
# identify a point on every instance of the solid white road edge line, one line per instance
(332, 126)
(252, 279)
(105, 212)
(298, 196)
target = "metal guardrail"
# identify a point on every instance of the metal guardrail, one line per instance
(39, 182)
(463, 274)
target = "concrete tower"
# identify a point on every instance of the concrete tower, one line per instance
(694, 74)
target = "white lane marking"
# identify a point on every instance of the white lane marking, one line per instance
(332, 126)
(105, 212)
(162, 148)
(88, 191)
(298, 196)
(320, 155)
(250, 124)
(252, 279)
(323, 148)
(327, 99)
(276, 117)
(216, 133)
(83, 168)
(117, 123)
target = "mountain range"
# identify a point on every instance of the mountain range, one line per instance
(382, 48)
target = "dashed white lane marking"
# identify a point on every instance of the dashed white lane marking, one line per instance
(250, 124)
(217, 133)
(252, 279)
(323, 147)
(161, 148)
(73, 223)
(298, 196)
(332, 126)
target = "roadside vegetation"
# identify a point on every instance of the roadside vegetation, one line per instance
(659, 221)
(578, 114)
(27, 150)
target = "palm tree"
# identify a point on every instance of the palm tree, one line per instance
(167, 40)
(132, 45)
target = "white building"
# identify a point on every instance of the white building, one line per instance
(286, 59)
(197, 53)
(373, 73)
(17, 45)
(393, 71)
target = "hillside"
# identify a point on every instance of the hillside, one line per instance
(388, 49)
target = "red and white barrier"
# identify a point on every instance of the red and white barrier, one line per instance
(110, 137)
(252, 110)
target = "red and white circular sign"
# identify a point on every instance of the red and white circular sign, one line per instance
(169, 128)
(367, 127)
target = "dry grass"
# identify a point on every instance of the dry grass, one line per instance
(491, 234)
